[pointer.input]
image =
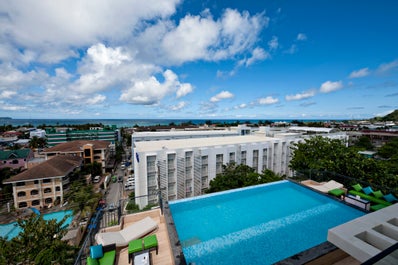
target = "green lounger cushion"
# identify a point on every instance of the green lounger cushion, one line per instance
(377, 207)
(150, 241)
(378, 194)
(91, 261)
(337, 192)
(370, 198)
(135, 246)
(108, 258)
(357, 187)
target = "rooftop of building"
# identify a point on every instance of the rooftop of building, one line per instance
(55, 167)
(199, 142)
(14, 154)
(77, 146)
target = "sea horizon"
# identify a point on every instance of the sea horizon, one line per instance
(140, 122)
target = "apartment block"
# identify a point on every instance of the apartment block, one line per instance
(44, 184)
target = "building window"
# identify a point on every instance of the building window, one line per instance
(57, 188)
(232, 157)
(243, 158)
(47, 190)
(35, 202)
(87, 152)
(21, 194)
(19, 184)
(15, 161)
(48, 200)
(219, 163)
(36, 181)
(22, 204)
(34, 192)
(46, 180)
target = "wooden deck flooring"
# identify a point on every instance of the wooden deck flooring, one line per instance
(164, 256)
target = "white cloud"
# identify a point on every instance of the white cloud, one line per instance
(241, 106)
(273, 43)
(330, 86)
(292, 49)
(268, 100)
(360, 73)
(150, 91)
(387, 67)
(73, 23)
(97, 99)
(202, 37)
(7, 94)
(300, 96)
(301, 37)
(221, 95)
(179, 106)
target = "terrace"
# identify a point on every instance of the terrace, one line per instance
(170, 251)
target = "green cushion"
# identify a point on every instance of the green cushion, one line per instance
(337, 192)
(357, 187)
(91, 261)
(108, 258)
(378, 194)
(377, 207)
(150, 241)
(370, 198)
(135, 246)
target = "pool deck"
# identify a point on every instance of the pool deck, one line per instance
(165, 253)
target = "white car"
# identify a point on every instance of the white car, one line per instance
(96, 179)
(129, 187)
(130, 180)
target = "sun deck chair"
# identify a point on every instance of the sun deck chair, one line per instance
(123, 237)
(326, 187)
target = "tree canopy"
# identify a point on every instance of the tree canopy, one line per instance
(39, 242)
(325, 154)
(239, 175)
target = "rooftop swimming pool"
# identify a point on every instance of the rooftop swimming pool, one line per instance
(11, 230)
(256, 225)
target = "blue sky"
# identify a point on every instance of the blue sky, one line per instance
(198, 59)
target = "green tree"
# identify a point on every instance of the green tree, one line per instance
(390, 149)
(82, 198)
(239, 175)
(40, 242)
(364, 143)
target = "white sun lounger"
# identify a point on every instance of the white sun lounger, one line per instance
(123, 237)
(324, 187)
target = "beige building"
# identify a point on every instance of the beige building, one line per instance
(44, 184)
(90, 151)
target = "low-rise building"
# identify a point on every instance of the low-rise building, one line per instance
(90, 151)
(44, 184)
(16, 159)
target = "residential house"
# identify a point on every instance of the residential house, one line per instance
(16, 159)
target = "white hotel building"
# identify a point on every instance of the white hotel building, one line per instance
(184, 167)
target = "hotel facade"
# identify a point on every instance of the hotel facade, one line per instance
(183, 168)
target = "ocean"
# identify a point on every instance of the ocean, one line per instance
(126, 123)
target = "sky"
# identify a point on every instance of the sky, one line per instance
(209, 59)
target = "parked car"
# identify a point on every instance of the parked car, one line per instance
(130, 179)
(129, 187)
(96, 179)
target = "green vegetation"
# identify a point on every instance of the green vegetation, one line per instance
(82, 198)
(38, 243)
(324, 154)
(393, 116)
(237, 176)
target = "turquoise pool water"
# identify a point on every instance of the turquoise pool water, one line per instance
(256, 225)
(11, 230)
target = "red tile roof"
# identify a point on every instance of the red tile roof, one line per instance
(57, 166)
(76, 146)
